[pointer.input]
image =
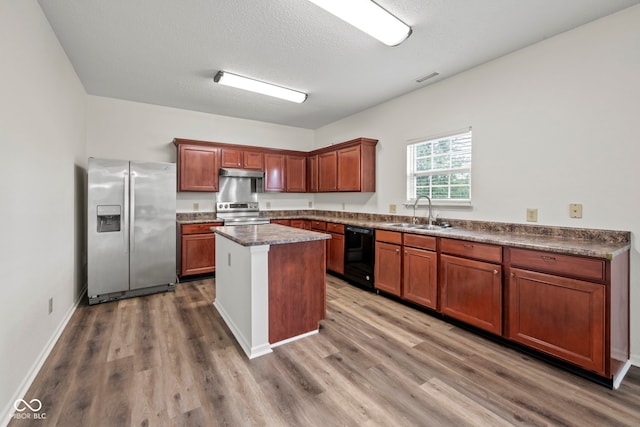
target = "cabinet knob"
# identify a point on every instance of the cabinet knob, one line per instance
(495, 271)
(513, 274)
(397, 250)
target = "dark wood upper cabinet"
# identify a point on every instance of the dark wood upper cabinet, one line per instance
(312, 173)
(230, 158)
(296, 174)
(243, 159)
(328, 171)
(197, 168)
(252, 160)
(274, 171)
(347, 166)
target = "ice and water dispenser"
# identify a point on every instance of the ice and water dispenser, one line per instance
(109, 218)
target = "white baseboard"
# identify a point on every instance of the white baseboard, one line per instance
(8, 410)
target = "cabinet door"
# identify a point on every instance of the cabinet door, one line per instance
(388, 268)
(296, 174)
(420, 278)
(312, 174)
(274, 172)
(559, 316)
(252, 160)
(327, 171)
(471, 291)
(335, 254)
(349, 169)
(297, 223)
(286, 222)
(197, 168)
(197, 253)
(230, 158)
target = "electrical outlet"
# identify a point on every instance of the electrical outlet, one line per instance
(310, 204)
(268, 204)
(532, 215)
(343, 206)
(575, 210)
(392, 208)
(50, 305)
(196, 206)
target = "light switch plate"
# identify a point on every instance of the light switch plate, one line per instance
(392, 208)
(196, 206)
(532, 215)
(575, 210)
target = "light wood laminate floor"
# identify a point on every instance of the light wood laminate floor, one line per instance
(169, 359)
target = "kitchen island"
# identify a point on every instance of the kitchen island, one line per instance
(270, 284)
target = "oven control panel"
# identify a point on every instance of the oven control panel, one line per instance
(237, 206)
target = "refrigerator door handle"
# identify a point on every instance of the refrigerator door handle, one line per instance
(125, 214)
(132, 222)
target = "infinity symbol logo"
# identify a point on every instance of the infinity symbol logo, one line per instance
(37, 405)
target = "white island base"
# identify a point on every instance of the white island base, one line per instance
(243, 294)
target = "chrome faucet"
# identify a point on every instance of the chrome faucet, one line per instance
(415, 204)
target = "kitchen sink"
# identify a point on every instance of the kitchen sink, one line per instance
(417, 226)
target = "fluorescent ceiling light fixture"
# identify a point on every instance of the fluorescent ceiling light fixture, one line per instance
(367, 16)
(234, 80)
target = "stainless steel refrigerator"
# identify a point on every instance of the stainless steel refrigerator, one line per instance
(131, 221)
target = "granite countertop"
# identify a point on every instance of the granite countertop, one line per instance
(267, 234)
(563, 240)
(197, 217)
(584, 242)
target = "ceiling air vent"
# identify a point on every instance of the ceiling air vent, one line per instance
(427, 77)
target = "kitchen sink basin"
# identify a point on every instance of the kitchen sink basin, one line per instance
(417, 226)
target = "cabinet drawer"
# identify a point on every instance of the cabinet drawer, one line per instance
(568, 265)
(318, 225)
(472, 250)
(420, 242)
(389, 237)
(198, 228)
(335, 228)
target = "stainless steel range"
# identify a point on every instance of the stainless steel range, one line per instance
(237, 200)
(240, 213)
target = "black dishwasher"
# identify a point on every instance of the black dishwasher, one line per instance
(359, 255)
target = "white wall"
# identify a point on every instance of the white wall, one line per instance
(553, 124)
(131, 130)
(42, 113)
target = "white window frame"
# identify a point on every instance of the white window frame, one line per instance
(412, 174)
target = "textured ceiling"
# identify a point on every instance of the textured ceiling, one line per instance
(166, 52)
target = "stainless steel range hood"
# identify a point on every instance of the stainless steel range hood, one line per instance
(240, 185)
(241, 173)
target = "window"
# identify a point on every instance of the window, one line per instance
(440, 168)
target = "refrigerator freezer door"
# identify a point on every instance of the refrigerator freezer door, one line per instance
(153, 224)
(107, 227)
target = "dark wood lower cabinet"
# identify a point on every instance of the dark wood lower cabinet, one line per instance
(198, 254)
(297, 289)
(335, 254)
(388, 268)
(559, 316)
(420, 277)
(197, 249)
(471, 291)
